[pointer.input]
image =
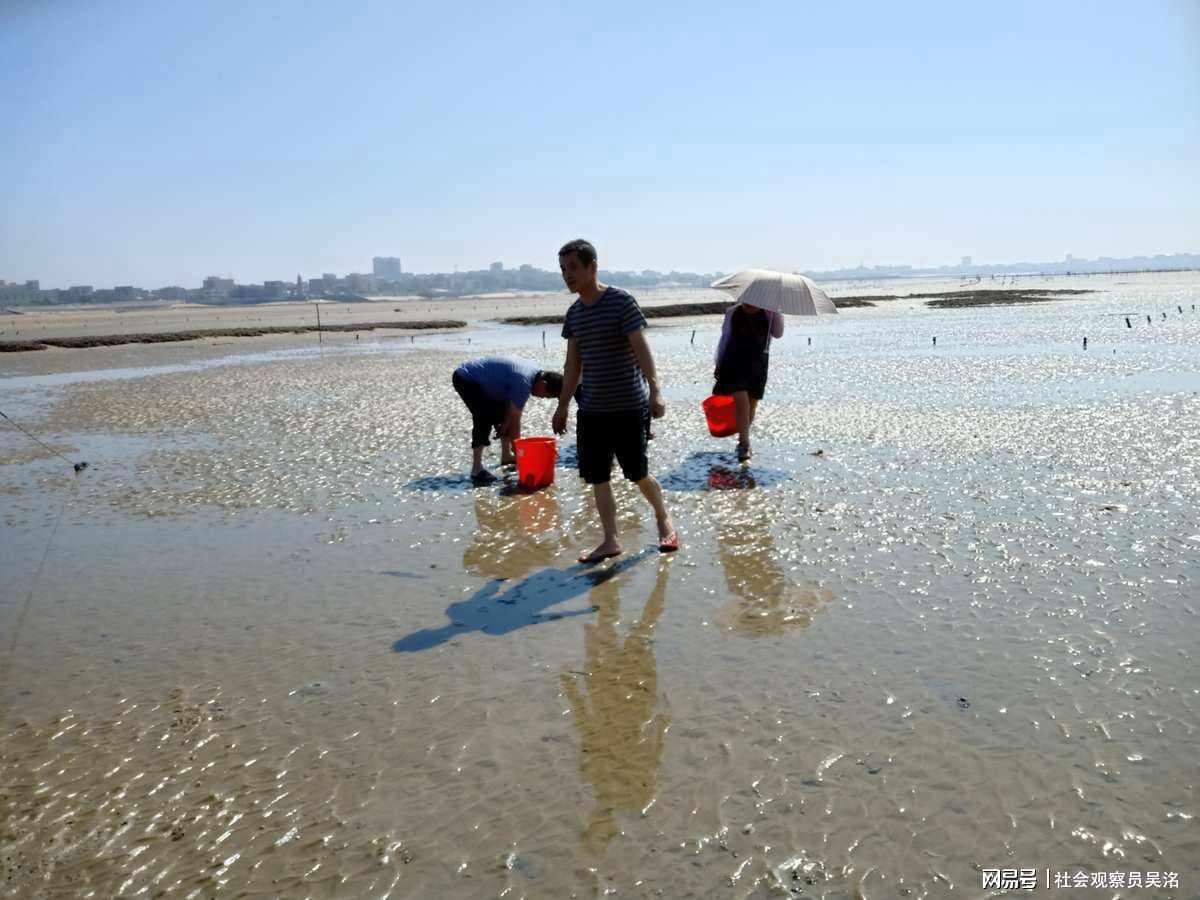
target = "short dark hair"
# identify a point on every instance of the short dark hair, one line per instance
(581, 248)
(552, 380)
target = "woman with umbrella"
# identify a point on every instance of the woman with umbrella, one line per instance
(742, 357)
(763, 297)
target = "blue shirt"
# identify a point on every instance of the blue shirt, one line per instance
(612, 379)
(507, 378)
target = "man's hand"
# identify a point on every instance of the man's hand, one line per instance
(645, 361)
(658, 408)
(559, 422)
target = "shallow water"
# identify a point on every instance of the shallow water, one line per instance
(944, 621)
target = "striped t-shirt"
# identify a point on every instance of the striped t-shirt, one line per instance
(612, 380)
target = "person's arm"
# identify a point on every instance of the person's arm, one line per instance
(572, 373)
(645, 361)
(512, 422)
(776, 324)
(721, 344)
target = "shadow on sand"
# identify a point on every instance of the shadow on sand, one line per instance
(459, 482)
(492, 611)
(713, 470)
(568, 458)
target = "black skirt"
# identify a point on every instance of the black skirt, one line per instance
(742, 372)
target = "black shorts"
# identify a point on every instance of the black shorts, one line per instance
(602, 435)
(747, 374)
(486, 410)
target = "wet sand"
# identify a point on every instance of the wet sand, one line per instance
(278, 644)
(35, 323)
(78, 342)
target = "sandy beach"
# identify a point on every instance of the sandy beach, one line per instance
(34, 322)
(272, 642)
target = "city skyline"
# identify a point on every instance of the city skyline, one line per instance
(364, 282)
(176, 140)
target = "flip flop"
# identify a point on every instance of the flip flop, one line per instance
(599, 557)
(669, 544)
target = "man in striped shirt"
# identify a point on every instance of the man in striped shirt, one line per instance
(609, 359)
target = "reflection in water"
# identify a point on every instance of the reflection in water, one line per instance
(764, 601)
(514, 534)
(613, 703)
(712, 470)
(724, 478)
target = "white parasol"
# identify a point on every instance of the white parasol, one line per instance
(793, 295)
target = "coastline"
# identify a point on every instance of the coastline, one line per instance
(76, 328)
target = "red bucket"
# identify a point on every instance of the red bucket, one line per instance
(535, 461)
(721, 413)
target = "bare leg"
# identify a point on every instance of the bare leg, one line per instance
(606, 506)
(476, 460)
(652, 491)
(743, 406)
(508, 454)
(753, 409)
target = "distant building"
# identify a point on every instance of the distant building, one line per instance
(965, 262)
(33, 285)
(11, 292)
(497, 267)
(214, 283)
(386, 267)
(79, 293)
(275, 288)
(125, 292)
(316, 285)
(361, 283)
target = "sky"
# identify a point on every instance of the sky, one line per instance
(156, 143)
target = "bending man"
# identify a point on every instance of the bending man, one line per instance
(495, 389)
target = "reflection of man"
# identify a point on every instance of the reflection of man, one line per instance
(763, 600)
(513, 535)
(495, 389)
(620, 733)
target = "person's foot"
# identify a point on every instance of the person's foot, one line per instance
(743, 452)
(606, 550)
(511, 461)
(483, 476)
(668, 538)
